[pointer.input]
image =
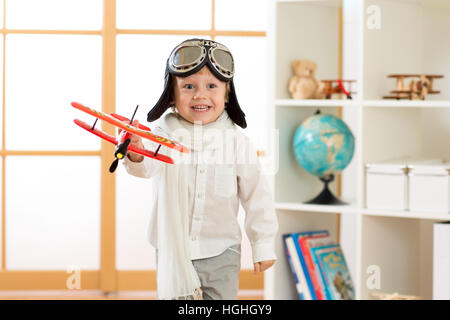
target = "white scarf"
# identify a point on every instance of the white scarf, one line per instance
(177, 278)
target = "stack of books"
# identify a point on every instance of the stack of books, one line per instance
(318, 266)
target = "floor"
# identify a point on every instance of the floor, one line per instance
(98, 295)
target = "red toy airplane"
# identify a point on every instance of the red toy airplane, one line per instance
(123, 142)
(329, 89)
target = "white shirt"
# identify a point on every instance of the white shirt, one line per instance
(214, 194)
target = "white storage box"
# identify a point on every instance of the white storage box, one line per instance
(386, 186)
(429, 187)
(387, 182)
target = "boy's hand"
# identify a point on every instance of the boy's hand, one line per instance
(262, 266)
(136, 141)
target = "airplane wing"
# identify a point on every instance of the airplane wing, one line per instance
(122, 118)
(150, 154)
(132, 129)
(97, 132)
(113, 140)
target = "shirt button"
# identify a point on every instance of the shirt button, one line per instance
(202, 170)
(199, 195)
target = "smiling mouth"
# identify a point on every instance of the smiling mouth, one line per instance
(201, 108)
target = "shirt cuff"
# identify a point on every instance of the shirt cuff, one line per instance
(134, 167)
(263, 251)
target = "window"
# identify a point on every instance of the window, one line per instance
(51, 173)
(60, 206)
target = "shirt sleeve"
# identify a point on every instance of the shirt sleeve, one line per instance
(261, 224)
(148, 167)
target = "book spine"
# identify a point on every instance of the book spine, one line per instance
(305, 268)
(321, 275)
(291, 264)
(302, 287)
(311, 269)
(328, 285)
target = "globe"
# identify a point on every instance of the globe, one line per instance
(323, 145)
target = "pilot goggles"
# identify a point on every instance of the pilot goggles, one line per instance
(191, 55)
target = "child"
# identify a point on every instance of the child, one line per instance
(194, 222)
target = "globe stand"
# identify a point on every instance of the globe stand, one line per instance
(326, 197)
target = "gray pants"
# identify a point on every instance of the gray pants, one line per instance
(219, 275)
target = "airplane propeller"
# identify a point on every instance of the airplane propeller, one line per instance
(119, 153)
(113, 166)
(122, 148)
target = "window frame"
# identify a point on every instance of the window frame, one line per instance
(107, 278)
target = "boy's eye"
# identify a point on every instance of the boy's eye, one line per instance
(211, 86)
(189, 86)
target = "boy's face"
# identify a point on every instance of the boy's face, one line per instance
(200, 97)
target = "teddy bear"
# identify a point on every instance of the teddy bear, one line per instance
(303, 85)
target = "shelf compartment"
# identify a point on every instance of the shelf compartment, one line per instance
(409, 40)
(282, 283)
(401, 249)
(292, 182)
(418, 133)
(295, 42)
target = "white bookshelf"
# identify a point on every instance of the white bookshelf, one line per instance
(406, 104)
(315, 103)
(351, 208)
(411, 39)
